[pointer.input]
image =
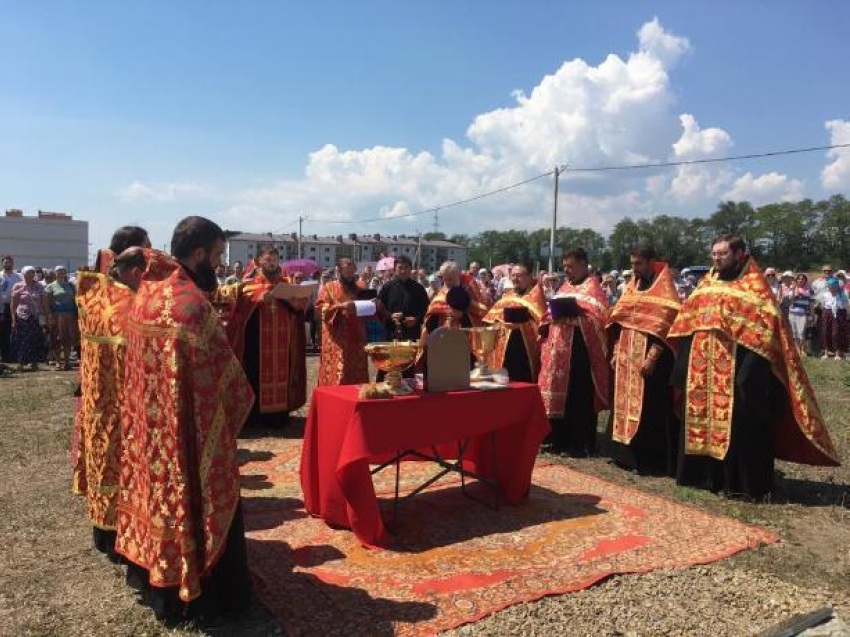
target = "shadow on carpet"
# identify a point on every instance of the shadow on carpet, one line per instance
(453, 560)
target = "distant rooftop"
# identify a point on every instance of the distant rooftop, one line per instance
(17, 213)
(351, 239)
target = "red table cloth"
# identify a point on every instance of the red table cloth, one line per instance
(344, 435)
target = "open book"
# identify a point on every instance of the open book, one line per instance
(288, 291)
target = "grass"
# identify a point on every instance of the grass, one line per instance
(53, 583)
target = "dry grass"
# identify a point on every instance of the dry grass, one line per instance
(52, 582)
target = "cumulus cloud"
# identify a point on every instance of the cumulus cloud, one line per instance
(698, 182)
(619, 110)
(165, 192)
(765, 189)
(661, 44)
(836, 174)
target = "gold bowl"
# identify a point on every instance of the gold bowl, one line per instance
(483, 342)
(392, 358)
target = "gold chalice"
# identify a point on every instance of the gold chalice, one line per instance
(483, 342)
(393, 357)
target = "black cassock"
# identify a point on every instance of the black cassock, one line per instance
(252, 371)
(225, 591)
(654, 448)
(516, 359)
(411, 299)
(748, 468)
(575, 432)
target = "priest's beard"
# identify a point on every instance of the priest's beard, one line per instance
(731, 271)
(271, 275)
(204, 277)
(349, 283)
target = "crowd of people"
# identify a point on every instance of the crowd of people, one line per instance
(38, 317)
(177, 354)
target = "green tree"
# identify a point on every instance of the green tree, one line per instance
(620, 241)
(835, 229)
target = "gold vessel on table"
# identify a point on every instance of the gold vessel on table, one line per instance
(483, 341)
(392, 358)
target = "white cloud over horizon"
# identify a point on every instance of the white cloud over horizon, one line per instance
(621, 111)
(836, 174)
(165, 192)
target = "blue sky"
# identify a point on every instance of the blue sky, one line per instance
(144, 112)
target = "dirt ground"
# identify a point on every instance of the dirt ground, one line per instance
(52, 582)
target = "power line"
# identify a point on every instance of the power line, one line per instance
(436, 208)
(715, 160)
(567, 169)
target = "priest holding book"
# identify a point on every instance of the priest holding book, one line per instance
(519, 313)
(267, 334)
(574, 369)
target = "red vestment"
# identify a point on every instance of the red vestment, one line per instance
(103, 306)
(535, 302)
(557, 349)
(720, 315)
(343, 360)
(638, 314)
(282, 355)
(189, 398)
(438, 307)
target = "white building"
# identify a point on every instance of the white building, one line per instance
(243, 246)
(46, 240)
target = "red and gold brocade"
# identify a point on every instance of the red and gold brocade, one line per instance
(440, 308)
(343, 360)
(103, 306)
(179, 476)
(535, 302)
(720, 315)
(103, 261)
(638, 314)
(557, 349)
(283, 367)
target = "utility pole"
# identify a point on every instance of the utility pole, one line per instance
(300, 222)
(436, 220)
(558, 170)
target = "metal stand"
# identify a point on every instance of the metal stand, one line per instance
(447, 467)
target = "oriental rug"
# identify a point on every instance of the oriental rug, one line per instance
(454, 560)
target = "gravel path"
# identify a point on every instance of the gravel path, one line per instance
(706, 600)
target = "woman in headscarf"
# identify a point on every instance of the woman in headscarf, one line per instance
(29, 315)
(834, 320)
(63, 317)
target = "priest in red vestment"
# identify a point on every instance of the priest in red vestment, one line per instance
(574, 367)
(179, 518)
(103, 302)
(519, 313)
(343, 360)
(469, 313)
(747, 397)
(644, 430)
(267, 335)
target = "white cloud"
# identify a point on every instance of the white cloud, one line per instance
(165, 192)
(836, 174)
(661, 44)
(698, 182)
(619, 111)
(767, 188)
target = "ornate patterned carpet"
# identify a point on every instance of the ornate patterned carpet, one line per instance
(455, 560)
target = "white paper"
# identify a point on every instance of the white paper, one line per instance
(365, 308)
